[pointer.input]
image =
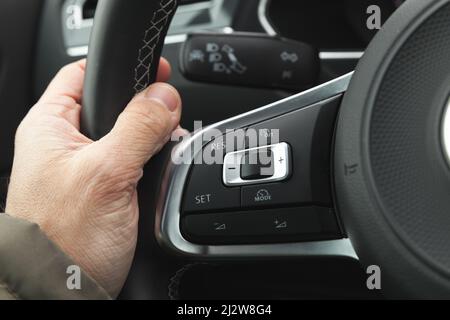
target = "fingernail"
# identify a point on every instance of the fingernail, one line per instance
(164, 94)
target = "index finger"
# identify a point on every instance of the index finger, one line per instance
(68, 82)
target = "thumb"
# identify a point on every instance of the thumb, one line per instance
(145, 125)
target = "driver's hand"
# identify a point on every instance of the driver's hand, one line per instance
(82, 193)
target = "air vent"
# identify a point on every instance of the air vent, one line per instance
(89, 8)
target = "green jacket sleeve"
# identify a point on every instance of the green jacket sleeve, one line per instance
(34, 268)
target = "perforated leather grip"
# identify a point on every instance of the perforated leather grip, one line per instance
(124, 52)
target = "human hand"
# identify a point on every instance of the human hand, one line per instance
(82, 193)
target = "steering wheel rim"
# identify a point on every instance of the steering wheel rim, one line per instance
(369, 201)
(127, 40)
(118, 47)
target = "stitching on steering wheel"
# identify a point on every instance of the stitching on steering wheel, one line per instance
(151, 39)
(175, 280)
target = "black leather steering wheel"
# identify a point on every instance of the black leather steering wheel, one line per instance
(391, 173)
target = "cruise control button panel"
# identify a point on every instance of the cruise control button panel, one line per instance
(272, 186)
(265, 226)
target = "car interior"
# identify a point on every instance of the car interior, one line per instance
(349, 188)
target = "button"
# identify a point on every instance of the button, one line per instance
(205, 190)
(269, 195)
(261, 137)
(235, 164)
(207, 193)
(257, 165)
(268, 226)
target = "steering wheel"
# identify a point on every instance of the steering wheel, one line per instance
(364, 166)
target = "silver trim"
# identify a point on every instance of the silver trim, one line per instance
(446, 132)
(341, 55)
(167, 224)
(78, 51)
(263, 19)
(176, 38)
(206, 5)
(233, 162)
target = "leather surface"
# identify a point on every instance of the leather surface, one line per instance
(124, 52)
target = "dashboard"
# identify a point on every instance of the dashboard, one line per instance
(328, 24)
(338, 33)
